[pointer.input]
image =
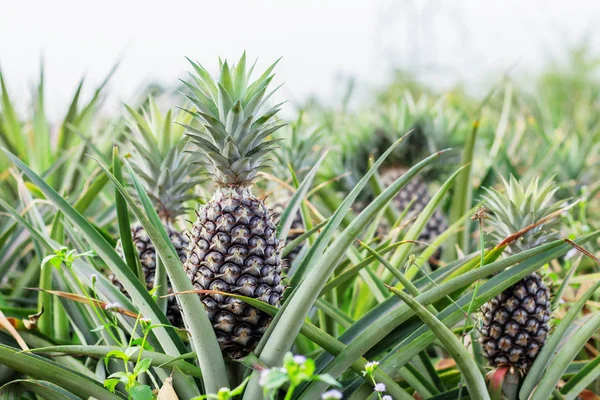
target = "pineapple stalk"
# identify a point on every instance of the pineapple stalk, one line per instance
(233, 247)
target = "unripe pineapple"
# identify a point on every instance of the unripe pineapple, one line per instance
(417, 192)
(233, 247)
(163, 168)
(516, 322)
(434, 127)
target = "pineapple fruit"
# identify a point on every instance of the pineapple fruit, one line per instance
(432, 130)
(163, 168)
(515, 323)
(415, 196)
(233, 247)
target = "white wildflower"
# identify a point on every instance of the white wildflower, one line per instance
(264, 375)
(371, 364)
(370, 367)
(379, 387)
(332, 395)
(299, 359)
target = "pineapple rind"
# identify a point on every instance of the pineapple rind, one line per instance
(233, 249)
(516, 324)
(415, 189)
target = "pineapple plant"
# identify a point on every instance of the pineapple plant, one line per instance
(515, 323)
(433, 128)
(233, 247)
(169, 178)
(299, 150)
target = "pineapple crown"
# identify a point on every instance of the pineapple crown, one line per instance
(434, 126)
(299, 148)
(232, 124)
(159, 159)
(520, 207)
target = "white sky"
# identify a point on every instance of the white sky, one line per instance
(443, 41)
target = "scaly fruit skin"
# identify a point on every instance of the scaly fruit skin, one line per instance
(147, 256)
(233, 249)
(415, 189)
(516, 323)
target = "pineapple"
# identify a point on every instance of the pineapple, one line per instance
(434, 127)
(516, 322)
(417, 192)
(233, 247)
(160, 163)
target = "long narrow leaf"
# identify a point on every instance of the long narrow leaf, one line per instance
(158, 359)
(202, 334)
(291, 319)
(168, 339)
(542, 361)
(561, 362)
(468, 367)
(39, 368)
(43, 389)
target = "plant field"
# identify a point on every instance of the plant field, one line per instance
(198, 245)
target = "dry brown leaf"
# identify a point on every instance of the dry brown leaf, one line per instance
(85, 300)
(446, 363)
(6, 324)
(588, 395)
(167, 392)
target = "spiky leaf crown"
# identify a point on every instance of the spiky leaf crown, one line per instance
(299, 148)
(520, 207)
(232, 123)
(158, 158)
(434, 125)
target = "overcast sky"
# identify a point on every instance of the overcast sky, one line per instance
(442, 41)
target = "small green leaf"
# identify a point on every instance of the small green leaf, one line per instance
(142, 343)
(141, 392)
(142, 366)
(53, 259)
(111, 384)
(117, 354)
(273, 379)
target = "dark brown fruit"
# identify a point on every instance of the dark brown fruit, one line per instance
(234, 249)
(516, 323)
(415, 189)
